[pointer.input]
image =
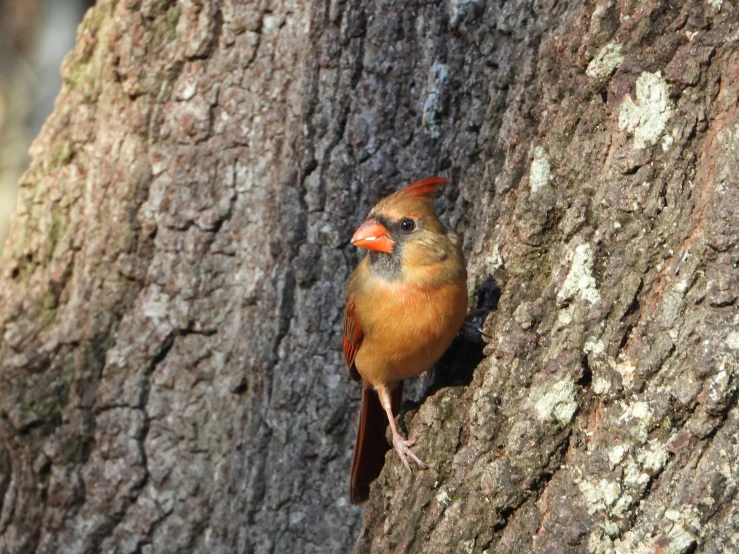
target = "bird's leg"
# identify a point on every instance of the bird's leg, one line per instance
(401, 444)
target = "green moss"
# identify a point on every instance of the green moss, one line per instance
(50, 301)
(173, 17)
(165, 31)
(46, 412)
(75, 449)
(61, 154)
(57, 228)
(87, 61)
(50, 311)
(24, 272)
(48, 395)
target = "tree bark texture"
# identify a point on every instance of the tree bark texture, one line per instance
(171, 298)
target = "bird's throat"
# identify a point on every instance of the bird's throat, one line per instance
(387, 266)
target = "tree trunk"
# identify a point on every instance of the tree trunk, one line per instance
(172, 289)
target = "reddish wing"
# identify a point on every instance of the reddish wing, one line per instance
(352, 335)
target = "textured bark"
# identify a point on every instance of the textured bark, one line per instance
(170, 371)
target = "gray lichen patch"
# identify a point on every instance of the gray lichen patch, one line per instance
(558, 403)
(679, 531)
(633, 476)
(608, 60)
(673, 304)
(495, 259)
(647, 118)
(433, 107)
(541, 170)
(640, 416)
(601, 386)
(616, 454)
(627, 370)
(600, 496)
(732, 340)
(580, 280)
(684, 529)
(653, 457)
(645, 464)
(600, 540)
(462, 8)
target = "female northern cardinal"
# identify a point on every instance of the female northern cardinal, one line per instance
(405, 302)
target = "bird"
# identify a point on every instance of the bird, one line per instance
(405, 302)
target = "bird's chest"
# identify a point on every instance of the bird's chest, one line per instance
(407, 329)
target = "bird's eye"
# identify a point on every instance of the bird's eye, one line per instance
(407, 225)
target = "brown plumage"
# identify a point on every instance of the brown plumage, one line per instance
(405, 302)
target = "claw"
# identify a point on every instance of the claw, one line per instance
(472, 332)
(403, 448)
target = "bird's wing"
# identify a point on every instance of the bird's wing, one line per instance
(352, 335)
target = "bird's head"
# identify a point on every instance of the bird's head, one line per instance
(404, 228)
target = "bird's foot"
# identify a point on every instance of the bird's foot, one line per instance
(472, 325)
(403, 448)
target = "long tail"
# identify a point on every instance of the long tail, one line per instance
(371, 445)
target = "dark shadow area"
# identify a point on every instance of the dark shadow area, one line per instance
(457, 366)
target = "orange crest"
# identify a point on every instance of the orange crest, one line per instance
(422, 191)
(424, 187)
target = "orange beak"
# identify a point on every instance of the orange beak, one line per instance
(372, 235)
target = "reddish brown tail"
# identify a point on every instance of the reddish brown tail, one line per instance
(371, 445)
